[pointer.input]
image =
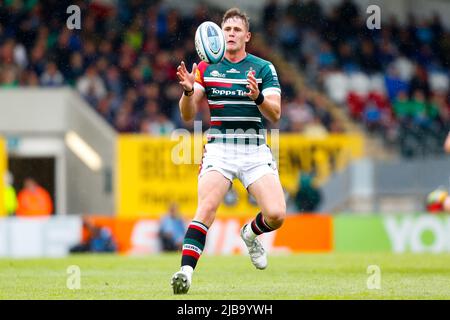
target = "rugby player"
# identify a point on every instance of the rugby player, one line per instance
(241, 90)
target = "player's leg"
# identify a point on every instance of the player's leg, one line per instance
(269, 195)
(260, 177)
(212, 187)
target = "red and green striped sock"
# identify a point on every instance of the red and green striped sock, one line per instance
(193, 244)
(259, 225)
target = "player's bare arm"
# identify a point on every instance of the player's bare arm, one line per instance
(190, 97)
(271, 105)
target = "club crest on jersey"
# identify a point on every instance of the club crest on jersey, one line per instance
(213, 39)
(250, 70)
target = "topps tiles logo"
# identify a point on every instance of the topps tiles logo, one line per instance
(228, 92)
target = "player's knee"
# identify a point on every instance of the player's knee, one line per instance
(208, 208)
(275, 217)
(206, 212)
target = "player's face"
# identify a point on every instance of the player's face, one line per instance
(236, 34)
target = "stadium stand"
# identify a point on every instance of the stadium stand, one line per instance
(123, 62)
(393, 81)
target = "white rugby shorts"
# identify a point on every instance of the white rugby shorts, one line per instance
(245, 162)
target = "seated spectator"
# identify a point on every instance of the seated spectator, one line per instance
(91, 82)
(419, 109)
(355, 104)
(327, 58)
(76, 68)
(299, 113)
(97, 239)
(372, 116)
(321, 110)
(419, 82)
(33, 200)
(402, 107)
(315, 129)
(172, 230)
(51, 76)
(308, 197)
(102, 241)
(289, 37)
(10, 196)
(346, 58)
(8, 77)
(160, 127)
(125, 122)
(367, 57)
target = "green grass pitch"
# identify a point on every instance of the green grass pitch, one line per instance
(288, 277)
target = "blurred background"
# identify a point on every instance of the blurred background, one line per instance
(89, 100)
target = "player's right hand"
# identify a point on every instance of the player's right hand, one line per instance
(186, 79)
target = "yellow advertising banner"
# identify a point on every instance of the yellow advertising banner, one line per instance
(154, 172)
(2, 176)
(148, 180)
(319, 156)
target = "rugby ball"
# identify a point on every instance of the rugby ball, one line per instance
(210, 42)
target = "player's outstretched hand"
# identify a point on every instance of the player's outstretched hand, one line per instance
(186, 79)
(252, 86)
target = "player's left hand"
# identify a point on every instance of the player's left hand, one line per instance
(252, 86)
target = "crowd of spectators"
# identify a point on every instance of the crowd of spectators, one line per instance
(122, 60)
(393, 80)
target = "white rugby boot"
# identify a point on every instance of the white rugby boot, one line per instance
(181, 280)
(255, 249)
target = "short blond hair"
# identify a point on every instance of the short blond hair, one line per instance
(236, 13)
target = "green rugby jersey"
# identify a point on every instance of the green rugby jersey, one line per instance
(234, 116)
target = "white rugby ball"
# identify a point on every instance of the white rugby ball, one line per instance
(210, 42)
